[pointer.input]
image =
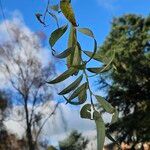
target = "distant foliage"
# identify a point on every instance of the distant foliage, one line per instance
(130, 76)
(75, 141)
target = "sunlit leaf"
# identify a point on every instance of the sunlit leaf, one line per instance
(71, 86)
(67, 10)
(63, 76)
(57, 34)
(86, 31)
(104, 104)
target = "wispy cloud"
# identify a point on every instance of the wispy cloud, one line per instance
(109, 5)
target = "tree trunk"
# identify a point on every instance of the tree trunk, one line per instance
(28, 125)
(29, 138)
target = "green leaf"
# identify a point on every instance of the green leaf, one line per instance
(86, 31)
(72, 102)
(65, 53)
(57, 34)
(71, 86)
(77, 55)
(63, 76)
(96, 56)
(55, 7)
(72, 41)
(67, 11)
(83, 95)
(84, 111)
(54, 17)
(106, 105)
(100, 127)
(78, 91)
(115, 117)
(99, 69)
(80, 67)
(95, 49)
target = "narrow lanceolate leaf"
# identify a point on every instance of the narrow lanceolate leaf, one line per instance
(77, 55)
(83, 95)
(86, 31)
(65, 53)
(106, 105)
(71, 86)
(72, 102)
(100, 127)
(96, 56)
(95, 49)
(99, 69)
(115, 117)
(78, 91)
(63, 76)
(67, 10)
(72, 41)
(54, 17)
(57, 34)
(76, 60)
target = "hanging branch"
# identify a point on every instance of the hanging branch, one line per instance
(77, 66)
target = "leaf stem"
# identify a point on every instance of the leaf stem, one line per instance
(90, 91)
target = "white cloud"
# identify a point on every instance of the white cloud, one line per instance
(29, 44)
(109, 5)
(66, 118)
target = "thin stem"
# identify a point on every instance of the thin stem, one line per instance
(46, 10)
(91, 93)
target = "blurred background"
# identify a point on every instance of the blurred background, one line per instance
(31, 108)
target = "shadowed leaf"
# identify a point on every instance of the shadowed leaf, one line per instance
(63, 76)
(106, 105)
(71, 86)
(65, 53)
(57, 34)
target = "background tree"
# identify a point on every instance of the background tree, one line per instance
(4, 105)
(26, 75)
(75, 141)
(129, 80)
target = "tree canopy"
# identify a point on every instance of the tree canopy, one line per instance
(129, 90)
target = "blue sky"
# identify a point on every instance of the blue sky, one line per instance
(95, 14)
